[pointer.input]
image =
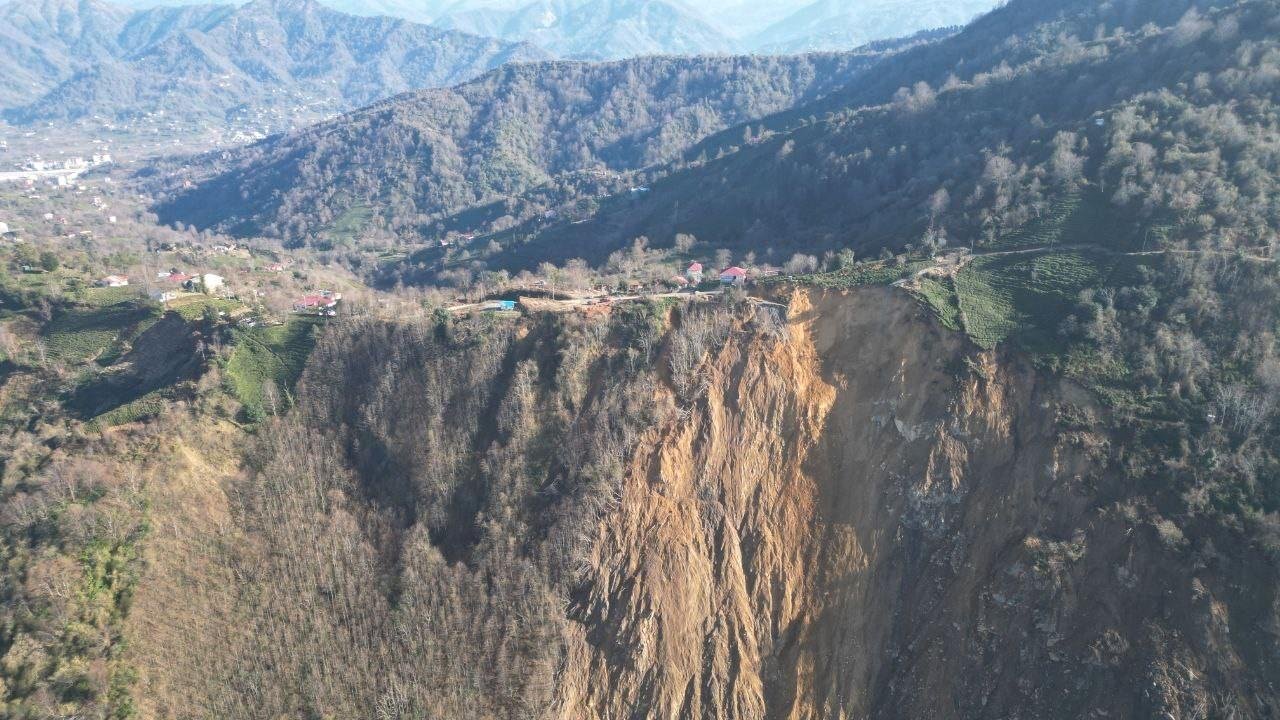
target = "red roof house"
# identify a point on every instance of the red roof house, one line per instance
(733, 276)
(694, 273)
(315, 302)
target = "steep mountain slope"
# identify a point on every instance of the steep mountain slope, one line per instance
(599, 29)
(836, 518)
(564, 128)
(293, 58)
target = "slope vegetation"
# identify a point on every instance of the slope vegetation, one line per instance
(566, 129)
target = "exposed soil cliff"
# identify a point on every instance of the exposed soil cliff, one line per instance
(858, 515)
(873, 520)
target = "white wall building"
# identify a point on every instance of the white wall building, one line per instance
(211, 282)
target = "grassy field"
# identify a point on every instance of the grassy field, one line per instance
(275, 353)
(348, 226)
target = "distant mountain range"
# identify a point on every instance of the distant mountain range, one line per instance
(831, 24)
(599, 28)
(625, 28)
(273, 65)
(274, 61)
(614, 29)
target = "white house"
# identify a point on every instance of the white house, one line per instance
(113, 281)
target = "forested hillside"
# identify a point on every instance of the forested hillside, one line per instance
(565, 129)
(44, 43)
(1165, 128)
(1132, 106)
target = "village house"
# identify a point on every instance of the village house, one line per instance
(162, 296)
(322, 304)
(113, 281)
(733, 276)
(694, 273)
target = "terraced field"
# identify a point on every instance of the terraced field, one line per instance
(275, 353)
(192, 307)
(1022, 298)
(873, 273)
(940, 294)
(1083, 219)
(107, 296)
(86, 333)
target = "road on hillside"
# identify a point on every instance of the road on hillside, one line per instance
(951, 264)
(590, 301)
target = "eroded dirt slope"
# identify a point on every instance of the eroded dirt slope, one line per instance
(872, 519)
